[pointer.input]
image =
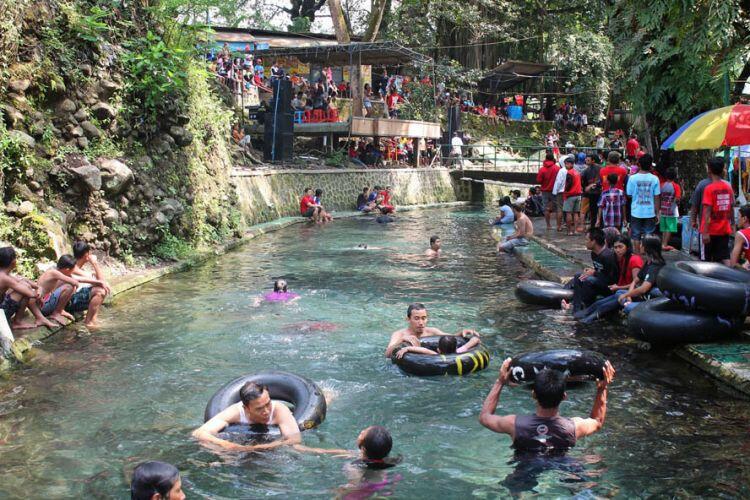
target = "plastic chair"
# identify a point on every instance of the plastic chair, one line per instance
(298, 116)
(318, 116)
(333, 115)
(307, 118)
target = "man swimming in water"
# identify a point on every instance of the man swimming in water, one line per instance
(416, 315)
(446, 345)
(546, 430)
(255, 407)
(434, 250)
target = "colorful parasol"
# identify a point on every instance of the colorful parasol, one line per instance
(729, 126)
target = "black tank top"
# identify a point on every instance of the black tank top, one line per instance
(542, 434)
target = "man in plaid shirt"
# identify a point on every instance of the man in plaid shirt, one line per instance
(611, 205)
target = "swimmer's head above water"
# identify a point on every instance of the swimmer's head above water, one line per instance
(416, 315)
(549, 388)
(447, 344)
(156, 481)
(435, 242)
(257, 401)
(374, 443)
(280, 286)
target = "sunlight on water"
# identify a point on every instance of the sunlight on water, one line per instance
(76, 422)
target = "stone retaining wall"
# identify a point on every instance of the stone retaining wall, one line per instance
(268, 195)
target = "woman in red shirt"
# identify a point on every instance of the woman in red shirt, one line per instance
(630, 264)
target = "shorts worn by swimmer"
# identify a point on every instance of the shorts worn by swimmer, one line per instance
(79, 302)
(309, 212)
(510, 245)
(49, 301)
(9, 306)
(572, 204)
(280, 296)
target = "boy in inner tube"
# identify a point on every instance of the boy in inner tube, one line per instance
(416, 315)
(446, 345)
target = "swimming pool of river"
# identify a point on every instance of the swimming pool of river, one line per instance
(74, 423)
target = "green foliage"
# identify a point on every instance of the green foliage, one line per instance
(89, 27)
(675, 55)
(586, 59)
(337, 158)
(421, 104)
(156, 74)
(173, 248)
(300, 25)
(15, 156)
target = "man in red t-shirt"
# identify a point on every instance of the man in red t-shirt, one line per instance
(385, 205)
(392, 101)
(718, 215)
(613, 167)
(546, 178)
(572, 198)
(307, 206)
(631, 147)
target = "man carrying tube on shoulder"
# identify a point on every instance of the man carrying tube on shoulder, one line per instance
(545, 430)
(416, 316)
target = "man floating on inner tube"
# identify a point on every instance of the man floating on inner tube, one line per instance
(255, 407)
(416, 315)
(546, 430)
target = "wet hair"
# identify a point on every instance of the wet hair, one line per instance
(716, 166)
(613, 157)
(416, 306)
(150, 478)
(645, 162)
(504, 201)
(365, 189)
(377, 188)
(280, 286)
(66, 262)
(652, 248)
(744, 212)
(377, 443)
(549, 388)
(670, 174)
(251, 391)
(80, 248)
(7, 256)
(518, 207)
(318, 192)
(612, 179)
(597, 235)
(447, 344)
(434, 238)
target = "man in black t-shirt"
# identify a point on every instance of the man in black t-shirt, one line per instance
(592, 189)
(595, 280)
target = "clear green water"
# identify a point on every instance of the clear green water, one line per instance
(77, 421)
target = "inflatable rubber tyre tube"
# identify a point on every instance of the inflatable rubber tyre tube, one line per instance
(307, 398)
(662, 321)
(708, 286)
(465, 363)
(543, 293)
(579, 364)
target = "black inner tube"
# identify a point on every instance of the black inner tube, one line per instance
(306, 397)
(708, 286)
(465, 363)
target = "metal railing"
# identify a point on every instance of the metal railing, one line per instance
(507, 158)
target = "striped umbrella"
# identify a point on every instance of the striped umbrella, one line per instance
(728, 126)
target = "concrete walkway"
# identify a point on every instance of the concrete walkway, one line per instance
(557, 257)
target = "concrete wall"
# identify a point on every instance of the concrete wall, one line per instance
(268, 195)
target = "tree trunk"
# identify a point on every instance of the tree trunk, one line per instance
(376, 17)
(339, 22)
